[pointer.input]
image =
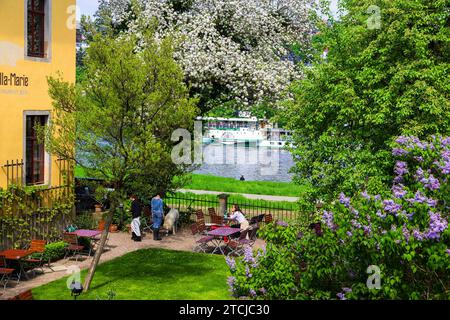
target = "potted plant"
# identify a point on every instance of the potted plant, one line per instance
(101, 223)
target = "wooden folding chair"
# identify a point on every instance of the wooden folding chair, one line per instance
(201, 242)
(73, 247)
(5, 272)
(237, 246)
(37, 261)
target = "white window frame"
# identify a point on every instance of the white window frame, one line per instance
(47, 33)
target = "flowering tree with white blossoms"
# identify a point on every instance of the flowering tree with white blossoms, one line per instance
(231, 51)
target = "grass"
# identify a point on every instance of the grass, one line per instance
(151, 274)
(199, 199)
(222, 184)
(213, 183)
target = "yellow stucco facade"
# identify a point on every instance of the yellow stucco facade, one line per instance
(23, 84)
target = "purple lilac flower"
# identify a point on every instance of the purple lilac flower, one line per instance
(356, 224)
(402, 140)
(248, 255)
(252, 292)
(401, 168)
(377, 197)
(247, 272)
(431, 202)
(381, 215)
(231, 280)
(417, 235)
(418, 198)
(355, 212)
(349, 233)
(391, 206)
(448, 251)
(344, 200)
(263, 291)
(399, 152)
(406, 233)
(437, 226)
(341, 296)
(328, 219)
(399, 191)
(346, 290)
(419, 159)
(432, 183)
(367, 230)
(445, 142)
(365, 195)
(231, 263)
(282, 223)
(393, 227)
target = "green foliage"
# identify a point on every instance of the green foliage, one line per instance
(374, 85)
(121, 116)
(85, 221)
(214, 183)
(404, 232)
(55, 251)
(33, 211)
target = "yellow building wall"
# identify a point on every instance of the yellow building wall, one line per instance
(15, 100)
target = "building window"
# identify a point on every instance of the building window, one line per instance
(35, 151)
(36, 28)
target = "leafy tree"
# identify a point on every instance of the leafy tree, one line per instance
(237, 53)
(377, 82)
(121, 118)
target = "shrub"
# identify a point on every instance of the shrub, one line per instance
(403, 232)
(55, 251)
(85, 221)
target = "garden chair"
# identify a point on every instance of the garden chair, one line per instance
(201, 241)
(37, 260)
(73, 247)
(237, 246)
(253, 229)
(268, 218)
(212, 211)
(5, 272)
(146, 220)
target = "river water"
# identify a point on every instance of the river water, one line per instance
(253, 162)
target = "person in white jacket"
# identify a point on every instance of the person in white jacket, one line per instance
(239, 217)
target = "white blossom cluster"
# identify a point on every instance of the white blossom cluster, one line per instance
(239, 46)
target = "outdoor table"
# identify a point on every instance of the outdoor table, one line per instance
(219, 234)
(87, 233)
(17, 256)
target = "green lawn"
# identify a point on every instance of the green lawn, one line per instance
(152, 274)
(213, 183)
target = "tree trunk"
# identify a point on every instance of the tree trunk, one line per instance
(99, 250)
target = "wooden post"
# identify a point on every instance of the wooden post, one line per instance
(99, 251)
(223, 203)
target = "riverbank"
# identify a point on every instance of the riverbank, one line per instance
(222, 184)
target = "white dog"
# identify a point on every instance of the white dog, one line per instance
(171, 219)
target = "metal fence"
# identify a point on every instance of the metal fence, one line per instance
(250, 208)
(34, 217)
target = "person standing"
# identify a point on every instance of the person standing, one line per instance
(136, 211)
(157, 206)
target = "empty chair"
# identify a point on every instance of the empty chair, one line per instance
(73, 247)
(201, 241)
(268, 218)
(237, 246)
(5, 272)
(37, 260)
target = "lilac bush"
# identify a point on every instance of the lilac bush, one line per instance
(404, 231)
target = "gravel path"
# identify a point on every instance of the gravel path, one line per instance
(119, 244)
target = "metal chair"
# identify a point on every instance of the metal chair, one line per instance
(72, 240)
(5, 272)
(237, 246)
(201, 242)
